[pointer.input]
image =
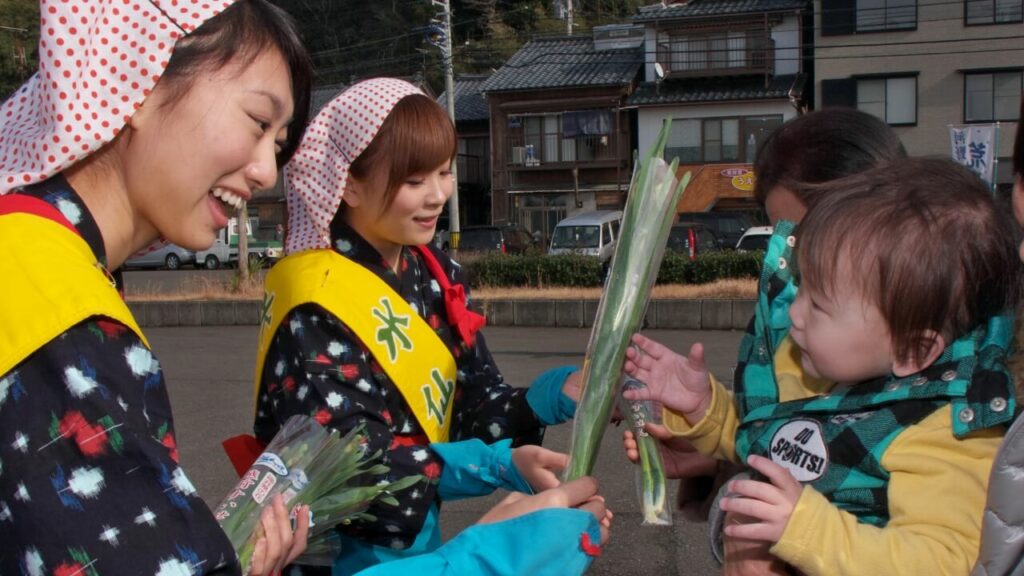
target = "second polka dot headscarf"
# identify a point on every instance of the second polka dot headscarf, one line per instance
(316, 176)
(98, 61)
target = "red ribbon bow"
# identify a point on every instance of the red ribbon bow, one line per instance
(466, 322)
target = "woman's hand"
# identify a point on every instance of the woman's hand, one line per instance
(769, 505)
(680, 458)
(580, 493)
(573, 385)
(278, 546)
(749, 557)
(538, 466)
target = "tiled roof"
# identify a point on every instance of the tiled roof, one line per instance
(723, 89)
(564, 62)
(321, 95)
(697, 8)
(470, 103)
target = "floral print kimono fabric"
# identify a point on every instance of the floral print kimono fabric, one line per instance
(90, 481)
(317, 366)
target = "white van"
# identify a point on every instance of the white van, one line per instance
(217, 255)
(590, 233)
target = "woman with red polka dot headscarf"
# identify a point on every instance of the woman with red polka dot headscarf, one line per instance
(366, 325)
(147, 119)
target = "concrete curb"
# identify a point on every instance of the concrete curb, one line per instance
(664, 314)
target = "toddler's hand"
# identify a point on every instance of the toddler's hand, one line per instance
(770, 505)
(538, 466)
(680, 383)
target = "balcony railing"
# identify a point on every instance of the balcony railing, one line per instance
(553, 148)
(750, 55)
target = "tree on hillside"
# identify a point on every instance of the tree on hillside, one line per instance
(353, 39)
(19, 41)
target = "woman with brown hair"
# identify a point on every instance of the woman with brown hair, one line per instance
(146, 121)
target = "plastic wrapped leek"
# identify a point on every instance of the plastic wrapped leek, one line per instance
(650, 474)
(650, 210)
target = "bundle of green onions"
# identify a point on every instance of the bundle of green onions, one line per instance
(651, 472)
(307, 464)
(650, 210)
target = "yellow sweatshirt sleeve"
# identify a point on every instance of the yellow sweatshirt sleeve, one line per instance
(936, 496)
(715, 434)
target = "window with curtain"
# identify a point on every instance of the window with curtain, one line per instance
(992, 96)
(684, 141)
(993, 11)
(893, 99)
(879, 15)
(708, 51)
(711, 140)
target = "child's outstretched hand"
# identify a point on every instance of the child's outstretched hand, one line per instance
(770, 504)
(539, 466)
(680, 383)
(680, 458)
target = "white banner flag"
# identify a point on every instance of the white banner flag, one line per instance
(974, 147)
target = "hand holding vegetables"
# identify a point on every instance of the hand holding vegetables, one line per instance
(278, 546)
(580, 493)
(538, 466)
(650, 210)
(681, 459)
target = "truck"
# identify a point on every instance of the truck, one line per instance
(225, 248)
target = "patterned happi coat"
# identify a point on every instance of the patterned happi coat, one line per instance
(316, 365)
(89, 476)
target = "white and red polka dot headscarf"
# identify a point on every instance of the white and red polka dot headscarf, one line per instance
(98, 61)
(318, 173)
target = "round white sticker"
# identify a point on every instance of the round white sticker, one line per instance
(799, 446)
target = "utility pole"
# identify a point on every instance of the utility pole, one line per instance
(243, 242)
(568, 17)
(449, 91)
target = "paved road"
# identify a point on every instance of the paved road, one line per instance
(209, 375)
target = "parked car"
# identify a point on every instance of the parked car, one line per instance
(215, 256)
(691, 238)
(727, 226)
(590, 233)
(168, 256)
(442, 232)
(504, 239)
(755, 238)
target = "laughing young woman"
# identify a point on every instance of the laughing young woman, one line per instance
(145, 121)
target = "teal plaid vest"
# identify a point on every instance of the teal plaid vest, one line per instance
(836, 442)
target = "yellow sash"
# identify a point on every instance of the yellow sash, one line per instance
(52, 282)
(404, 345)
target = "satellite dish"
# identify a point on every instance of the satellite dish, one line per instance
(659, 72)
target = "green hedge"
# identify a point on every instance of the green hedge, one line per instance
(538, 270)
(534, 270)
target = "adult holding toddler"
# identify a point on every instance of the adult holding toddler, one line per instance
(906, 273)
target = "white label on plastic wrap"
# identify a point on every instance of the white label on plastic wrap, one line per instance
(264, 488)
(273, 462)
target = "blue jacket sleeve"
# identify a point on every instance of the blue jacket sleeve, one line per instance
(546, 398)
(550, 542)
(472, 468)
